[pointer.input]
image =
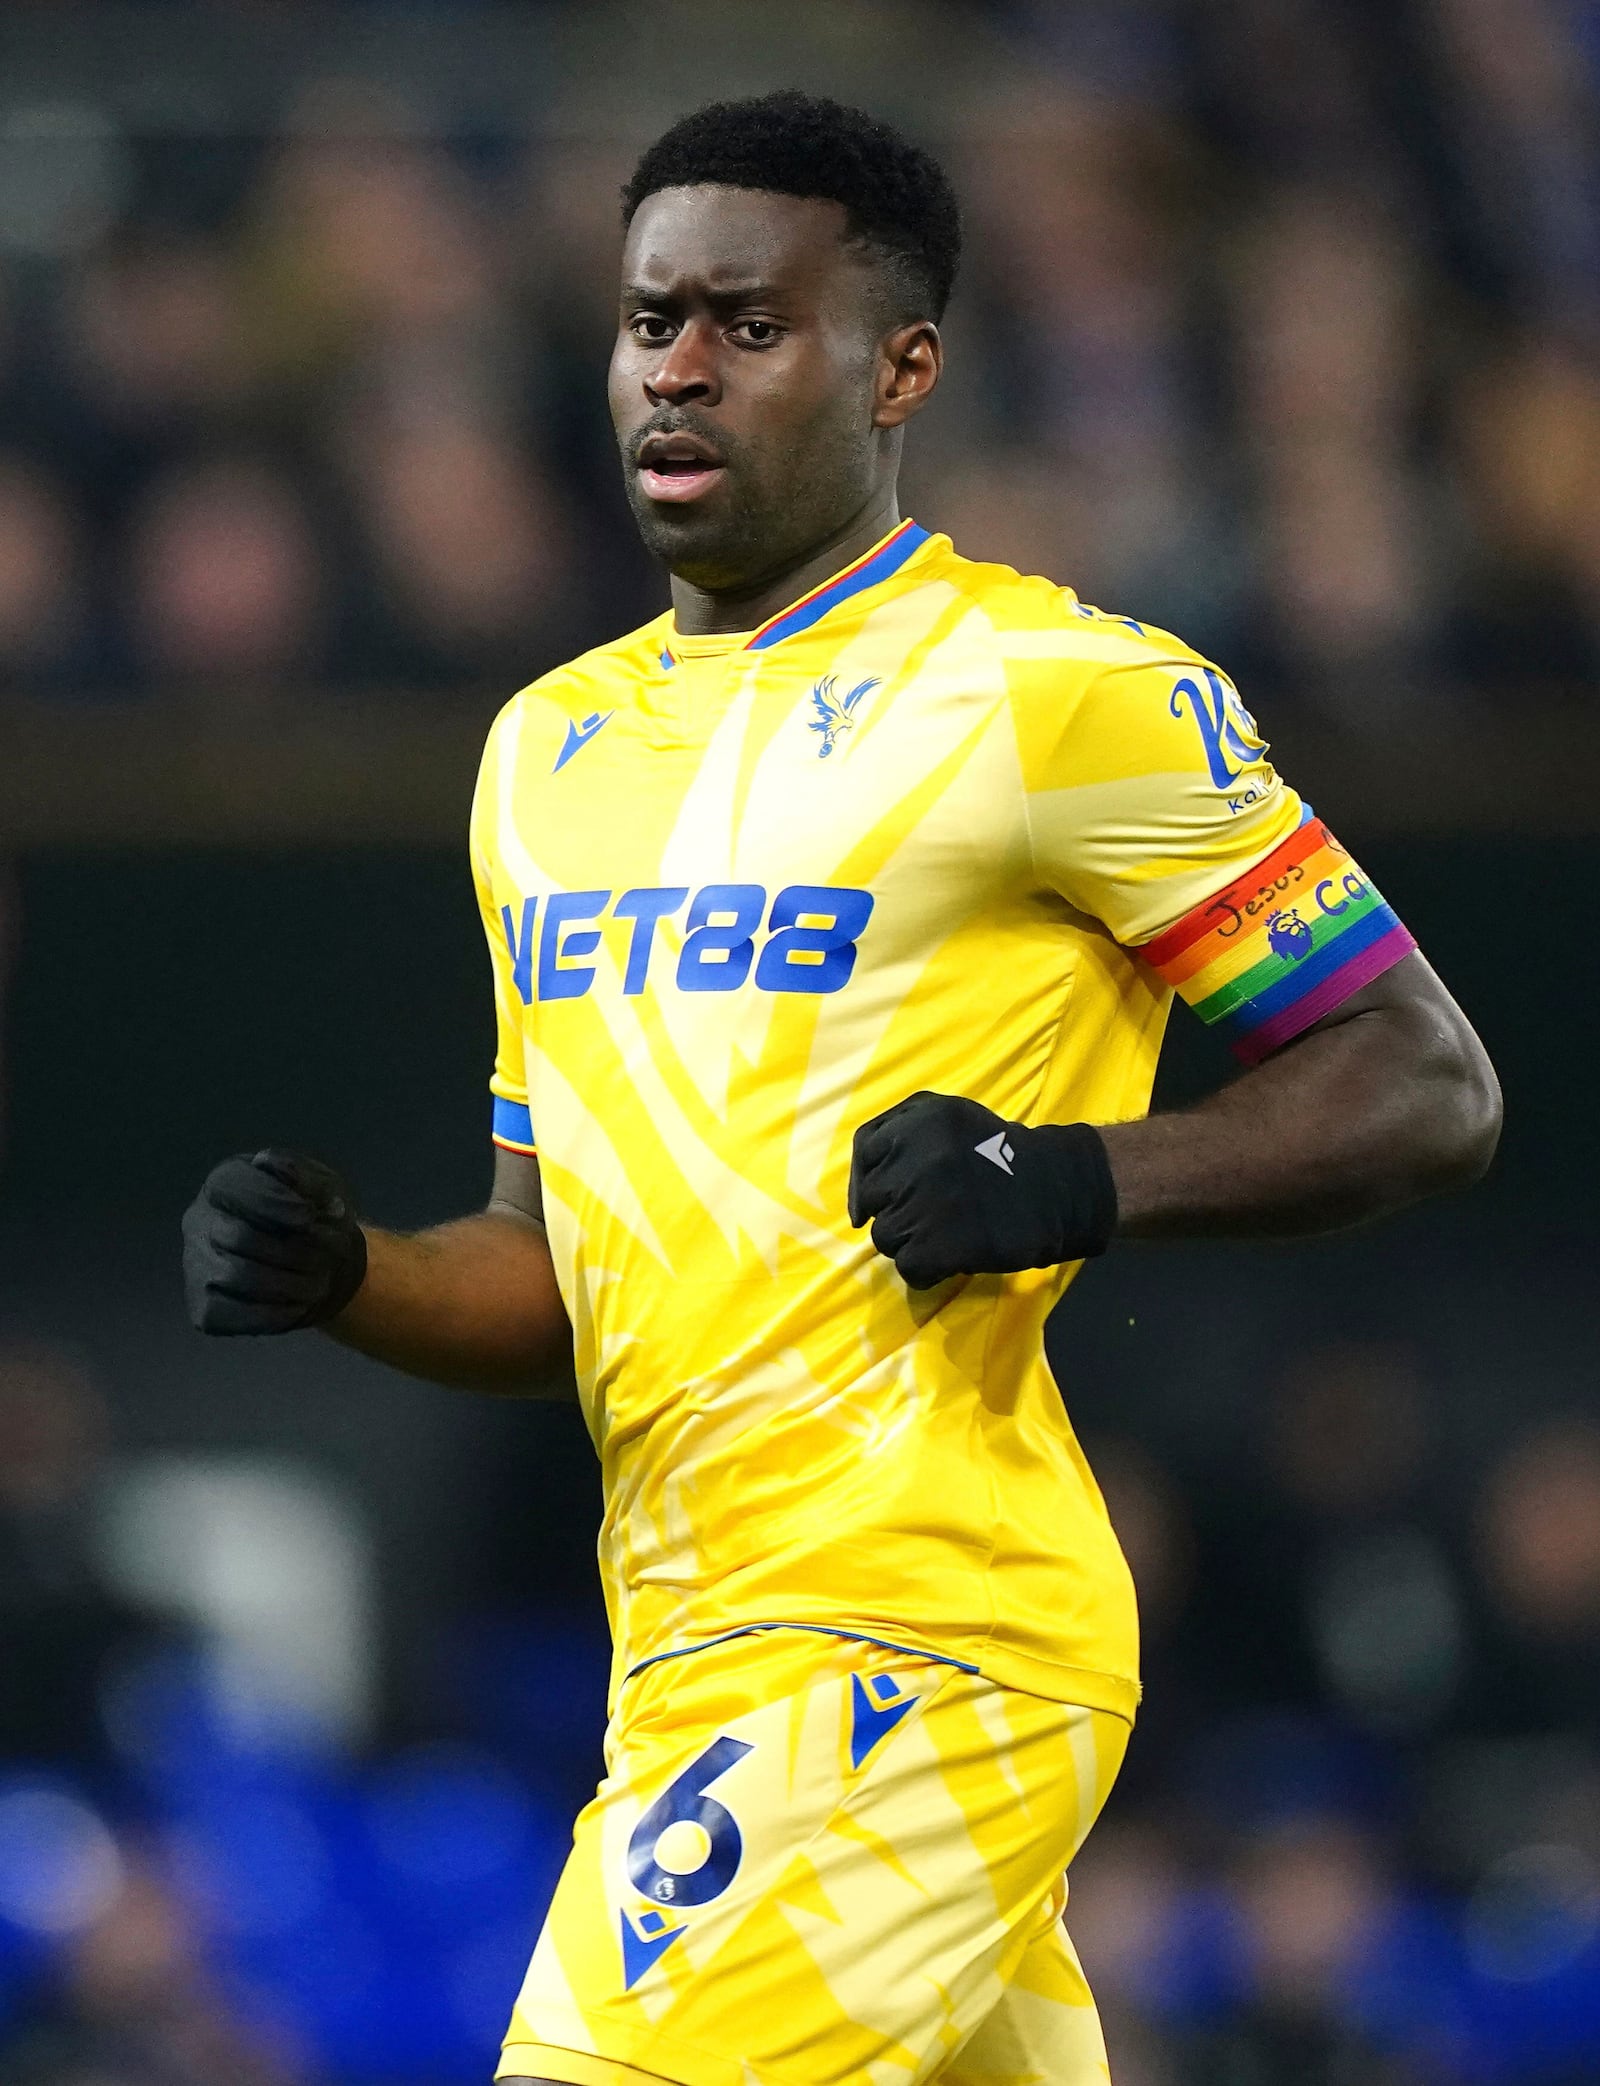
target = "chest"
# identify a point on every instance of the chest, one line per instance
(788, 826)
(770, 772)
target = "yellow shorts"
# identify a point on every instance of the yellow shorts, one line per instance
(817, 1859)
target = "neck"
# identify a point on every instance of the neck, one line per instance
(698, 613)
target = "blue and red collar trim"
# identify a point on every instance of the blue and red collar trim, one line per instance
(870, 570)
(879, 563)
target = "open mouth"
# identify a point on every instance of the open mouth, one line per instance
(677, 467)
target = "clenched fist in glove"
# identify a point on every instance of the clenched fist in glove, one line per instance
(953, 1189)
(270, 1244)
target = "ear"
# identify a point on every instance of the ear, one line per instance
(910, 360)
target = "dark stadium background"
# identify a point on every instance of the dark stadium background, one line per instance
(1281, 325)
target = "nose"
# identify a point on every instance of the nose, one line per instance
(687, 373)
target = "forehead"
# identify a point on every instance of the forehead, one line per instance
(721, 237)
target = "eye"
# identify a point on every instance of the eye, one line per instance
(651, 327)
(757, 333)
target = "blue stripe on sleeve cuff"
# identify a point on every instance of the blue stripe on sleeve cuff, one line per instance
(513, 1126)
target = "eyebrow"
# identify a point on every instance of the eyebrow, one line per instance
(726, 293)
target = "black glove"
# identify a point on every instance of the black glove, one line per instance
(270, 1243)
(954, 1189)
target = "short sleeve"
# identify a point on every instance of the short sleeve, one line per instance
(1149, 791)
(505, 932)
(1154, 808)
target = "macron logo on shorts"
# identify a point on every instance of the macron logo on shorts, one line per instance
(876, 1706)
(997, 1150)
(643, 1940)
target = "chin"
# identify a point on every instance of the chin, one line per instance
(709, 551)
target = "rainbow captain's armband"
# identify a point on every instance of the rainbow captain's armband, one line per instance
(513, 1126)
(1281, 946)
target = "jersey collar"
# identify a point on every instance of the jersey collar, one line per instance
(869, 570)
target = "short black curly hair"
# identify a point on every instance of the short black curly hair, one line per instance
(899, 200)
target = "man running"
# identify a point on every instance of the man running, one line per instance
(835, 918)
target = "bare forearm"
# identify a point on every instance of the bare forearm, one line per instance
(473, 1304)
(1392, 1103)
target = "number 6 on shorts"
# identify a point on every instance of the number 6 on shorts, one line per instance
(684, 1802)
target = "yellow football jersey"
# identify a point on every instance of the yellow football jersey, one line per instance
(743, 893)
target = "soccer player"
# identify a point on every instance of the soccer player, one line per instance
(835, 917)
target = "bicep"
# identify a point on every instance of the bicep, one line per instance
(517, 1200)
(517, 1188)
(1400, 1055)
(1412, 999)
(1426, 1032)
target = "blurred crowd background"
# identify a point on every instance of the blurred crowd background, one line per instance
(1280, 325)
(1279, 320)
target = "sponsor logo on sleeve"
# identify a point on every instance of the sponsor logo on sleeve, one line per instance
(1227, 732)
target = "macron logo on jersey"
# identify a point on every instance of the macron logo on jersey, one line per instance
(579, 735)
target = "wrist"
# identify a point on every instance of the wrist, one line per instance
(352, 1285)
(1140, 1157)
(1086, 1199)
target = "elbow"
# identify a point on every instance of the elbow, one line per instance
(1466, 1120)
(1488, 1118)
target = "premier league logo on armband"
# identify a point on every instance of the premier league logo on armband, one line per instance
(1288, 935)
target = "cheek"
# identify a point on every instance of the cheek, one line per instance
(813, 404)
(622, 385)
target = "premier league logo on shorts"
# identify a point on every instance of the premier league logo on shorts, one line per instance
(1288, 935)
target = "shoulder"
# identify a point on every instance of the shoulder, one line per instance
(595, 680)
(1105, 694)
(607, 670)
(1105, 697)
(1039, 622)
